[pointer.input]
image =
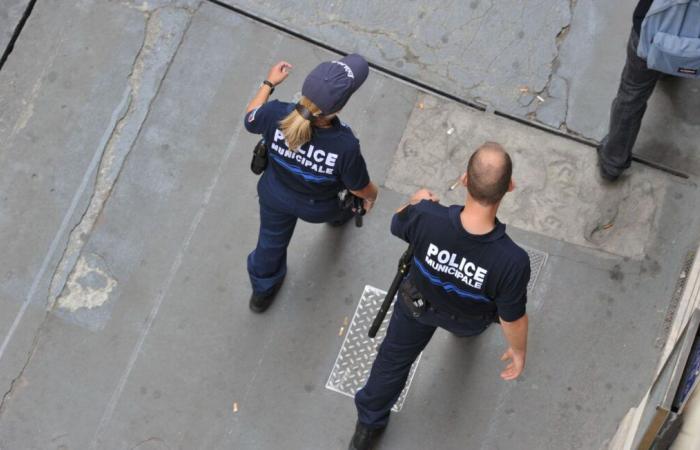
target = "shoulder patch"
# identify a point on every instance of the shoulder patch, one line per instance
(251, 115)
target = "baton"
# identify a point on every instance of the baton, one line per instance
(404, 265)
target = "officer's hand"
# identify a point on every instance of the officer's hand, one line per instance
(424, 194)
(278, 72)
(516, 365)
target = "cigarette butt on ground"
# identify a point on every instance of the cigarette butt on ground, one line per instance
(345, 321)
(454, 186)
(450, 131)
(524, 89)
(340, 332)
(540, 98)
(607, 225)
(420, 105)
(235, 407)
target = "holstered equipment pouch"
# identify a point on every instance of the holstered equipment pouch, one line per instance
(259, 162)
(412, 298)
(417, 305)
(347, 201)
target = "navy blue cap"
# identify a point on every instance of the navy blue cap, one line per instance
(331, 83)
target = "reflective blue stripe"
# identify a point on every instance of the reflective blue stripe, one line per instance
(449, 287)
(298, 171)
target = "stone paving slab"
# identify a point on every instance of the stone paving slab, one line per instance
(558, 191)
(11, 12)
(671, 126)
(587, 73)
(55, 122)
(500, 53)
(557, 63)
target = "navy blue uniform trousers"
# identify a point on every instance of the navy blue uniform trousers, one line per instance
(406, 337)
(279, 210)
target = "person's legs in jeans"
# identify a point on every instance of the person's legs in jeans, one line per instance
(405, 340)
(267, 264)
(636, 86)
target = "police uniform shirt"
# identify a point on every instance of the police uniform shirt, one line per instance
(460, 273)
(321, 168)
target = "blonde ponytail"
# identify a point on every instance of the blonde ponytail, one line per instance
(297, 129)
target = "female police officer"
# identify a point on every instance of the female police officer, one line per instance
(312, 156)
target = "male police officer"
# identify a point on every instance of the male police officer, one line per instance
(466, 273)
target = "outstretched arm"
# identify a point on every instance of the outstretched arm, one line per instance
(276, 75)
(420, 195)
(516, 334)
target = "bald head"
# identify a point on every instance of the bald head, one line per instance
(488, 173)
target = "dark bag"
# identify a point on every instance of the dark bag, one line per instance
(669, 40)
(259, 162)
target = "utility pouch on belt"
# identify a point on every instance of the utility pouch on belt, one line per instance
(417, 305)
(412, 298)
(348, 201)
(259, 162)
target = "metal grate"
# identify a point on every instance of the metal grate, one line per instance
(537, 260)
(357, 353)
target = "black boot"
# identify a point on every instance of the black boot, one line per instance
(364, 437)
(606, 174)
(260, 302)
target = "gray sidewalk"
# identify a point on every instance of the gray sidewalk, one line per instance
(127, 209)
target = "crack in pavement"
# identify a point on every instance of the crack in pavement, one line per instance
(545, 91)
(14, 383)
(163, 36)
(165, 28)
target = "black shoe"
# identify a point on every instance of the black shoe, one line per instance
(605, 174)
(260, 302)
(364, 437)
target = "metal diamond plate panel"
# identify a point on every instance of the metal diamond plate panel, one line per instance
(537, 260)
(354, 361)
(358, 351)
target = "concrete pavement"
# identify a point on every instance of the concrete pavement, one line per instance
(128, 208)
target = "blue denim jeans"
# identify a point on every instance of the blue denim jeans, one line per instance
(405, 339)
(279, 210)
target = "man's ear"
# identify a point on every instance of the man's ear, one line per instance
(463, 179)
(511, 185)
